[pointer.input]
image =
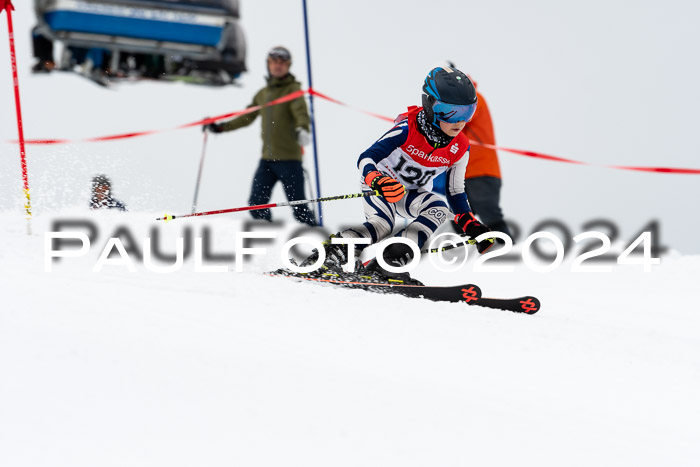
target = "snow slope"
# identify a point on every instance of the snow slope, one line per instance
(235, 368)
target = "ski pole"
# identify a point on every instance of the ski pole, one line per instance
(311, 192)
(6, 5)
(364, 194)
(462, 242)
(199, 173)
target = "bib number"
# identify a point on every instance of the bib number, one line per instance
(412, 174)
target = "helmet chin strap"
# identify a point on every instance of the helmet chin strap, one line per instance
(428, 102)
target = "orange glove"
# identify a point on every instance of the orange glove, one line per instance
(389, 188)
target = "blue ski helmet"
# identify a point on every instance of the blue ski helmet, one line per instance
(449, 96)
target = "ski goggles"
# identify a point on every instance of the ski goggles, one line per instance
(452, 113)
(280, 53)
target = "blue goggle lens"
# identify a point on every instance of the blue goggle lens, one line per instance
(452, 113)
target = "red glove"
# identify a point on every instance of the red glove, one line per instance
(472, 227)
(389, 188)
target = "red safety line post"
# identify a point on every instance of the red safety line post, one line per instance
(6, 5)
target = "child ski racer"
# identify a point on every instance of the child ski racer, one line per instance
(425, 142)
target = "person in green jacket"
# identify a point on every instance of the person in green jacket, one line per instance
(285, 129)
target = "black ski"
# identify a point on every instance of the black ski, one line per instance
(467, 293)
(528, 305)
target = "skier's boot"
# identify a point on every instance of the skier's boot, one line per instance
(336, 257)
(397, 255)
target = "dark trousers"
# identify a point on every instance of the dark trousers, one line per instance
(43, 47)
(484, 194)
(291, 174)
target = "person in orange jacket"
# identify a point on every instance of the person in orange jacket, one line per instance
(483, 174)
(482, 178)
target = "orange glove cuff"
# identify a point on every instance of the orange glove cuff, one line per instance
(372, 176)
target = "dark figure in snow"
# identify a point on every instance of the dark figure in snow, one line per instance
(285, 129)
(42, 49)
(425, 142)
(102, 194)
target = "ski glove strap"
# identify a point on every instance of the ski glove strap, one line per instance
(473, 228)
(389, 188)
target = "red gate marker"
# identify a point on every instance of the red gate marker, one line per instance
(297, 94)
(6, 5)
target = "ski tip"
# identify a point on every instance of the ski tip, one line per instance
(529, 305)
(471, 293)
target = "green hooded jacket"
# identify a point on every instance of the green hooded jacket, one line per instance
(279, 122)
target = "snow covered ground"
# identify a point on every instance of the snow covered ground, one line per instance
(235, 368)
